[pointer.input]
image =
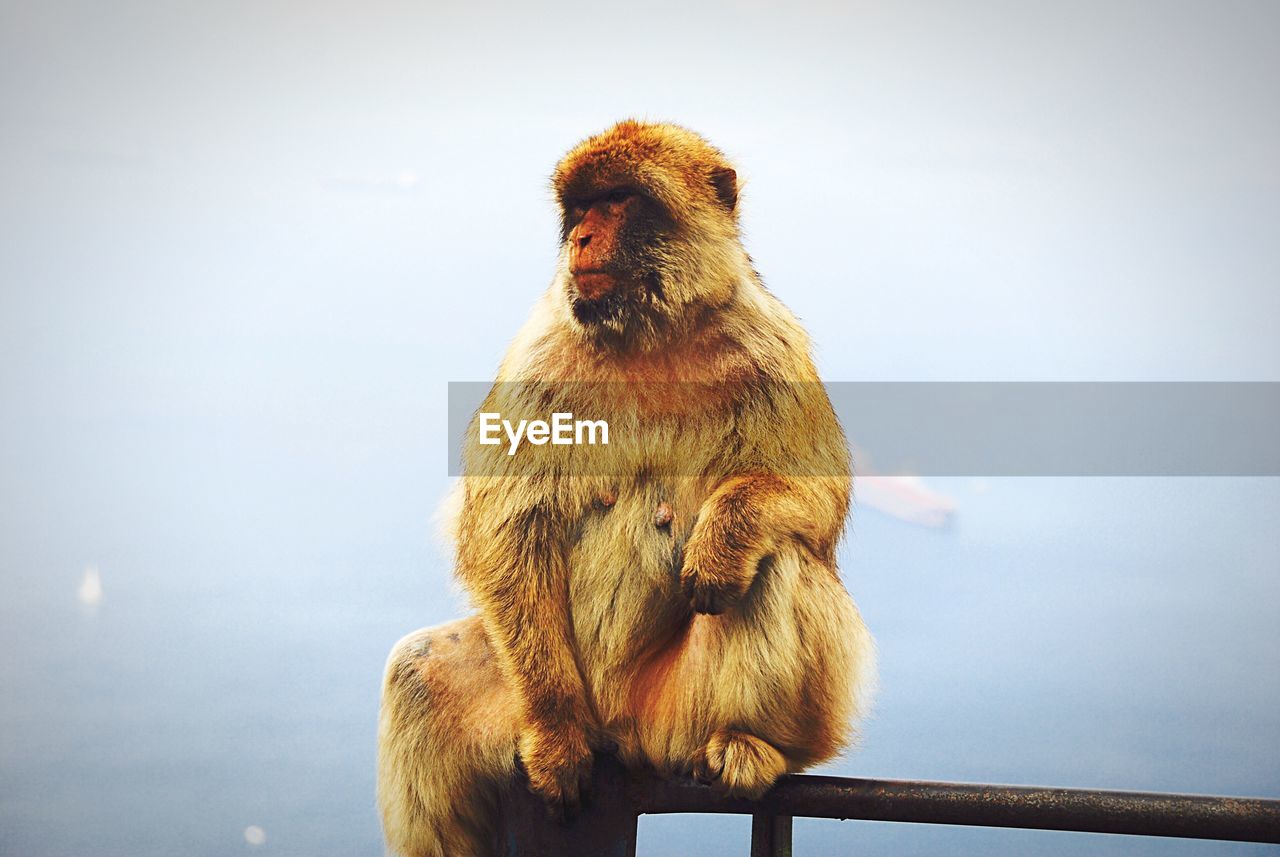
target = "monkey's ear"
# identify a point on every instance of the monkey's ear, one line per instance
(725, 182)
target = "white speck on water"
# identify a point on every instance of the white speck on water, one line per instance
(90, 591)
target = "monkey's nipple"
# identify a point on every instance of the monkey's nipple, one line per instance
(663, 516)
(605, 499)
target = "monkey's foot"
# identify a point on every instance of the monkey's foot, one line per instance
(741, 764)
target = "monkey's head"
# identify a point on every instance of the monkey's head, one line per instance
(649, 231)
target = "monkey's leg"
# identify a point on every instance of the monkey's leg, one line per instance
(513, 558)
(446, 743)
(792, 667)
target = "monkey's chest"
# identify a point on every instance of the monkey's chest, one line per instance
(624, 568)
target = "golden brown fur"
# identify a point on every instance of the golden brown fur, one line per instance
(720, 644)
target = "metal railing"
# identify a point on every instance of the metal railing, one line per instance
(607, 826)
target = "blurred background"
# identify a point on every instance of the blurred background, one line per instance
(244, 247)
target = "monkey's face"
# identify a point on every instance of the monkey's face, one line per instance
(649, 232)
(614, 240)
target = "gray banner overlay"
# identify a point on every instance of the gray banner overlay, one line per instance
(1029, 429)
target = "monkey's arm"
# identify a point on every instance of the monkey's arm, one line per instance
(790, 485)
(511, 556)
(748, 518)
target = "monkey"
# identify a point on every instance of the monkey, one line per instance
(672, 597)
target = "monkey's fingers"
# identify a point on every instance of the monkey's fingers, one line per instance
(708, 600)
(522, 774)
(563, 809)
(570, 794)
(557, 761)
(603, 742)
(710, 596)
(560, 800)
(715, 575)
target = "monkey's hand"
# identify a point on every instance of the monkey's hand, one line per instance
(558, 764)
(720, 561)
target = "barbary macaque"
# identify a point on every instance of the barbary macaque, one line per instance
(671, 595)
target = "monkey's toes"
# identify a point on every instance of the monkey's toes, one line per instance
(745, 766)
(706, 770)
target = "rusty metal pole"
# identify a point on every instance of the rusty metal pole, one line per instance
(1033, 807)
(606, 827)
(770, 835)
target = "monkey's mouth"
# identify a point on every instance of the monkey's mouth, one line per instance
(602, 295)
(608, 307)
(593, 284)
(598, 295)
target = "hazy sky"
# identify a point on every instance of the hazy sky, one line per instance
(313, 215)
(942, 191)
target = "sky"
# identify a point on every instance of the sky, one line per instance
(245, 246)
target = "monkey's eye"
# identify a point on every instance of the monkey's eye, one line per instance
(617, 195)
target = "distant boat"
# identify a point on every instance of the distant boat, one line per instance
(905, 498)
